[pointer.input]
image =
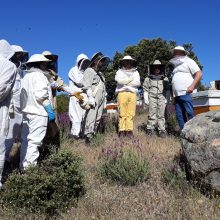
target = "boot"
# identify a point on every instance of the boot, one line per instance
(121, 134)
(149, 132)
(129, 134)
(162, 134)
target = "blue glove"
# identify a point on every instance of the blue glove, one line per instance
(50, 112)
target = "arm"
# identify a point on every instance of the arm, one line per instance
(146, 84)
(136, 80)
(8, 75)
(146, 89)
(41, 86)
(75, 76)
(88, 78)
(197, 78)
(121, 78)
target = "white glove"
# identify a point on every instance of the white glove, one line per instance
(146, 98)
(59, 82)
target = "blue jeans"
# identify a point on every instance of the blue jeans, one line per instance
(184, 109)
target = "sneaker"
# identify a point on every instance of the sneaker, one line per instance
(162, 134)
(149, 132)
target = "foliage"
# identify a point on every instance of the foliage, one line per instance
(174, 174)
(124, 165)
(109, 123)
(45, 189)
(172, 125)
(98, 139)
(62, 103)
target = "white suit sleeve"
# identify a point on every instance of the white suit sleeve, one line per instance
(8, 74)
(41, 87)
(75, 76)
(146, 90)
(146, 85)
(135, 80)
(121, 78)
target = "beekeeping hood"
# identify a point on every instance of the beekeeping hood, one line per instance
(20, 55)
(156, 65)
(5, 50)
(53, 65)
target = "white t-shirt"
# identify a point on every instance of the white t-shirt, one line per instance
(183, 73)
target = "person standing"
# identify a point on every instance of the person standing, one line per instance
(186, 76)
(15, 116)
(7, 74)
(155, 88)
(37, 109)
(93, 84)
(76, 112)
(128, 81)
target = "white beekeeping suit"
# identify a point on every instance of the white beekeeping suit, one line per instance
(36, 106)
(76, 113)
(15, 118)
(7, 76)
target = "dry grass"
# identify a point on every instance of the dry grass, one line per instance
(150, 200)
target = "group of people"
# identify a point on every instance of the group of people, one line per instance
(28, 92)
(158, 90)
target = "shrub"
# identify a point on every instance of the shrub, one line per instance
(124, 165)
(48, 188)
(174, 174)
(98, 139)
(172, 124)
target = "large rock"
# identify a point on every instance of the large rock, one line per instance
(201, 148)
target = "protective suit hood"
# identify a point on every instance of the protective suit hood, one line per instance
(80, 57)
(178, 60)
(5, 49)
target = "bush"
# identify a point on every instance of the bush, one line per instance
(48, 188)
(109, 123)
(172, 124)
(123, 165)
(174, 175)
(98, 139)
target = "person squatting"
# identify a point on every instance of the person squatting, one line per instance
(28, 88)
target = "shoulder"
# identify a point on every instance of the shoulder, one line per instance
(89, 72)
(190, 61)
(146, 80)
(7, 64)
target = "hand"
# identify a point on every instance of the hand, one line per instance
(50, 112)
(190, 89)
(59, 82)
(78, 95)
(91, 101)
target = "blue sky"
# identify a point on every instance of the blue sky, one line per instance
(68, 28)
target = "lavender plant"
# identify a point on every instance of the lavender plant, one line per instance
(124, 163)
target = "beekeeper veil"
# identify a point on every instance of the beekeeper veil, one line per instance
(20, 55)
(83, 64)
(99, 62)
